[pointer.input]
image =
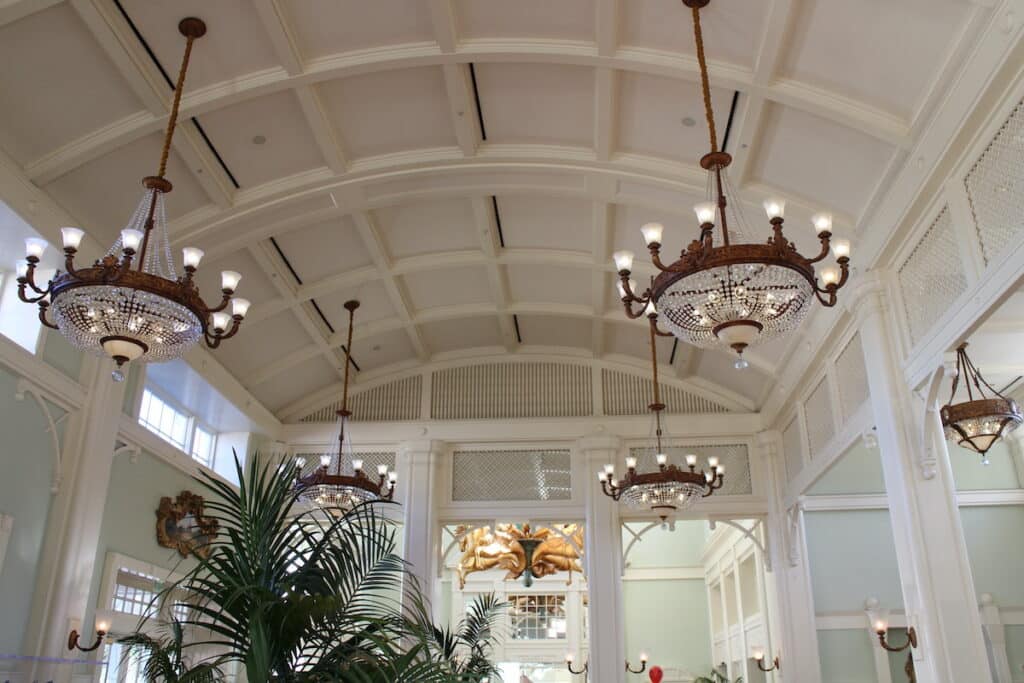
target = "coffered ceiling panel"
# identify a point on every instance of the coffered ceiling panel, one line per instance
(325, 28)
(103, 194)
(236, 42)
(260, 343)
(318, 251)
(541, 222)
(390, 111)
(631, 338)
(464, 333)
(287, 388)
(382, 350)
(565, 19)
(53, 48)
(448, 287)
(256, 285)
(552, 330)
(428, 227)
(680, 228)
(675, 127)
(374, 305)
(863, 50)
(529, 283)
(717, 366)
(537, 103)
(731, 28)
(799, 153)
(263, 139)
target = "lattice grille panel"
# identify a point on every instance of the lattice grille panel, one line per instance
(511, 475)
(398, 400)
(734, 457)
(995, 188)
(852, 377)
(371, 460)
(793, 448)
(932, 277)
(626, 394)
(818, 412)
(509, 390)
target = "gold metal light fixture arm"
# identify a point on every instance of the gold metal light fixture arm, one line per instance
(826, 247)
(910, 644)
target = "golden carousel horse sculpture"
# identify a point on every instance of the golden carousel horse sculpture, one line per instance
(519, 551)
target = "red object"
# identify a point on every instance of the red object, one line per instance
(656, 674)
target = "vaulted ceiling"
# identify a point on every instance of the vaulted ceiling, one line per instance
(465, 167)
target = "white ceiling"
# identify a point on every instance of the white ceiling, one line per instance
(377, 182)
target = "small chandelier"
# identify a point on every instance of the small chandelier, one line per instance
(981, 420)
(733, 294)
(670, 488)
(131, 304)
(338, 490)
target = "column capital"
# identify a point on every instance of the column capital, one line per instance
(868, 293)
(421, 446)
(599, 443)
(769, 440)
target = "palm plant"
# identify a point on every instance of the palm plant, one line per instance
(717, 675)
(301, 596)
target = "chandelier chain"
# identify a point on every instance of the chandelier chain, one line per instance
(172, 121)
(709, 113)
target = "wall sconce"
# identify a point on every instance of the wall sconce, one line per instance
(757, 652)
(570, 660)
(879, 618)
(102, 622)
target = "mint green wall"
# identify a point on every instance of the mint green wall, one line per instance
(26, 459)
(997, 556)
(651, 605)
(58, 353)
(970, 475)
(852, 557)
(129, 518)
(846, 656)
(858, 470)
(663, 548)
(1015, 647)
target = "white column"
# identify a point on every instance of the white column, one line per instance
(604, 564)
(74, 524)
(791, 602)
(417, 490)
(996, 632)
(938, 591)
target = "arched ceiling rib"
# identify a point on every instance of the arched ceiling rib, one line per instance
(461, 243)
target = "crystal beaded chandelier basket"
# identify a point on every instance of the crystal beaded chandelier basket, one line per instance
(336, 489)
(669, 488)
(985, 417)
(732, 293)
(131, 304)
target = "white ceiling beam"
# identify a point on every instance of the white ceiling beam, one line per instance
(607, 30)
(855, 114)
(463, 108)
(13, 10)
(606, 106)
(271, 264)
(324, 131)
(116, 38)
(442, 16)
(602, 219)
(282, 38)
(487, 231)
(370, 235)
(282, 363)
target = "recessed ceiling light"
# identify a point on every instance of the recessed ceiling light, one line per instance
(376, 347)
(689, 122)
(259, 139)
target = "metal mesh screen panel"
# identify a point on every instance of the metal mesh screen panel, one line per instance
(932, 277)
(820, 421)
(511, 475)
(852, 377)
(509, 390)
(793, 448)
(398, 400)
(734, 457)
(994, 188)
(626, 394)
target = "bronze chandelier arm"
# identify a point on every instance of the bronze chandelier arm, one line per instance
(657, 330)
(43, 307)
(31, 299)
(29, 279)
(656, 259)
(826, 246)
(225, 300)
(630, 295)
(69, 261)
(911, 641)
(629, 309)
(578, 672)
(643, 667)
(214, 340)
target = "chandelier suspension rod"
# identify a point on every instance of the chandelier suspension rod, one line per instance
(657, 406)
(344, 413)
(192, 30)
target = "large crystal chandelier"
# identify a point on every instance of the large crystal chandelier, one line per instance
(131, 304)
(733, 293)
(985, 417)
(337, 490)
(669, 488)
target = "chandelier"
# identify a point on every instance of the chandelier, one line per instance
(339, 490)
(735, 294)
(981, 420)
(131, 304)
(670, 488)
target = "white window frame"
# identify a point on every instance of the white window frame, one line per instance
(192, 425)
(8, 295)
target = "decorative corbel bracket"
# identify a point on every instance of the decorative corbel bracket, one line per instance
(794, 515)
(749, 533)
(26, 387)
